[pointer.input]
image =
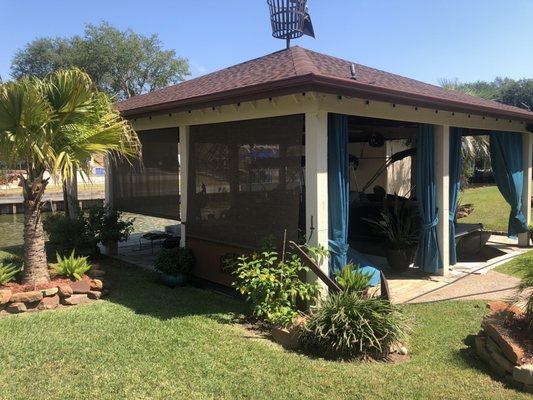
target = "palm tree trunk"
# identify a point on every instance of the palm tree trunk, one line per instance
(70, 187)
(35, 264)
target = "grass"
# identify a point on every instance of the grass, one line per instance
(490, 208)
(513, 267)
(146, 341)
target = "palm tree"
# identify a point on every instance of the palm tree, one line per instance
(54, 125)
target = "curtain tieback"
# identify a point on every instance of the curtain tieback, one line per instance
(432, 224)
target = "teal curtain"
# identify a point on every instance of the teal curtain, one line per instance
(456, 135)
(338, 191)
(428, 252)
(507, 164)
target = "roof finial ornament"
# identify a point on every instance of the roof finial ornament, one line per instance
(290, 19)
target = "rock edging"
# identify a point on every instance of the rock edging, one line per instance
(64, 294)
(505, 357)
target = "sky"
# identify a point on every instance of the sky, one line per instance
(423, 39)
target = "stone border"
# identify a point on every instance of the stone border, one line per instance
(65, 294)
(504, 357)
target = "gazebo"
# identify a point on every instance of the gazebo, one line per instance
(265, 146)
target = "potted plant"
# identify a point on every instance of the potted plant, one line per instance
(108, 227)
(174, 266)
(400, 223)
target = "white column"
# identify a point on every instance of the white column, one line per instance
(108, 187)
(527, 141)
(316, 182)
(184, 131)
(442, 176)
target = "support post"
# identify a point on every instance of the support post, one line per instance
(316, 183)
(527, 141)
(108, 200)
(184, 132)
(442, 177)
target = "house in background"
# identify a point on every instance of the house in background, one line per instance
(289, 141)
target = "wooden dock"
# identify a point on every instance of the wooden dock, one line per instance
(13, 204)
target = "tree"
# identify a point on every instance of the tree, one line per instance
(55, 124)
(121, 63)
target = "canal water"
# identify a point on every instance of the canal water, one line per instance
(11, 226)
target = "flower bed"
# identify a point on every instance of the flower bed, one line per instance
(505, 347)
(16, 298)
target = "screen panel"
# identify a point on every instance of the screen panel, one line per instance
(246, 181)
(150, 186)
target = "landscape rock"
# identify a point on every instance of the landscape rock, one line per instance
(96, 284)
(94, 295)
(64, 290)
(80, 287)
(528, 388)
(97, 273)
(524, 374)
(513, 352)
(503, 362)
(75, 299)
(5, 296)
(27, 297)
(499, 306)
(16, 308)
(49, 292)
(49, 303)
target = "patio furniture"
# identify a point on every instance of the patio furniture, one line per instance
(154, 236)
(470, 238)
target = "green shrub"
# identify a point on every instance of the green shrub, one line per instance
(72, 266)
(353, 280)
(179, 260)
(66, 234)
(8, 272)
(273, 286)
(107, 225)
(350, 326)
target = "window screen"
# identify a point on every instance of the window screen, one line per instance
(150, 186)
(246, 181)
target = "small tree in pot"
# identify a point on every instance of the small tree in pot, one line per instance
(400, 222)
(174, 265)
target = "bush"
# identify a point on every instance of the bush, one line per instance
(72, 266)
(273, 286)
(8, 272)
(82, 234)
(67, 235)
(349, 326)
(175, 261)
(353, 280)
(524, 294)
(107, 225)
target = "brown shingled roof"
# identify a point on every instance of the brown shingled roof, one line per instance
(297, 69)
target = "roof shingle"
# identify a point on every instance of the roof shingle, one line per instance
(296, 66)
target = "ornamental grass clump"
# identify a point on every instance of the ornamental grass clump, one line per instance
(347, 325)
(524, 295)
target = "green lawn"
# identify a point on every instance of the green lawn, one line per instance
(146, 341)
(512, 267)
(490, 208)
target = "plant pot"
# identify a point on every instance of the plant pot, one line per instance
(399, 259)
(174, 280)
(289, 336)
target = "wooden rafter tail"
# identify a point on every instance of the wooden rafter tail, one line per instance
(330, 283)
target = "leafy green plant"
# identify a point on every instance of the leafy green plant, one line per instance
(398, 221)
(8, 272)
(273, 285)
(108, 225)
(353, 280)
(67, 234)
(349, 326)
(179, 260)
(72, 266)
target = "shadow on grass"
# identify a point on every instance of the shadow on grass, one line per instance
(139, 290)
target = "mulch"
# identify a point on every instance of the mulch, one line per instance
(55, 281)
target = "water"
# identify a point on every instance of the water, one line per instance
(11, 226)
